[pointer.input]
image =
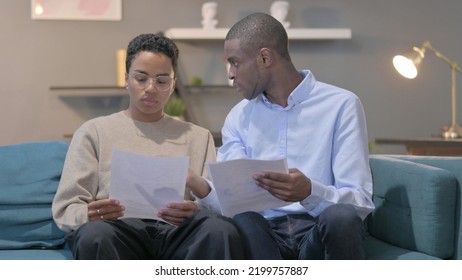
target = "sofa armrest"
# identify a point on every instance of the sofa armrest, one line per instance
(29, 176)
(415, 206)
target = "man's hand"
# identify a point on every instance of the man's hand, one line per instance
(105, 209)
(292, 187)
(177, 212)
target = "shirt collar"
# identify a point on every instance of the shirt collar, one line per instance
(300, 93)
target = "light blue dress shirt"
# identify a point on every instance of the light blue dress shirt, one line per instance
(322, 132)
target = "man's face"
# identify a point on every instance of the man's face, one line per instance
(243, 70)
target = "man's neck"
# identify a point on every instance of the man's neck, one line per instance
(280, 93)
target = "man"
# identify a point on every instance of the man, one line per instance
(319, 128)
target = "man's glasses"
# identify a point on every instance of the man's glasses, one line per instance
(143, 81)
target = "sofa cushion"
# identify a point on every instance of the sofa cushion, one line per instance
(415, 206)
(379, 250)
(36, 254)
(29, 177)
(454, 165)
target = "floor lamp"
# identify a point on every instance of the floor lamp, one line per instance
(407, 65)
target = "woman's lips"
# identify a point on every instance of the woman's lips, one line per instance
(149, 102)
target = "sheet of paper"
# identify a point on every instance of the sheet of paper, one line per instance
(237, 190)
(144, 184)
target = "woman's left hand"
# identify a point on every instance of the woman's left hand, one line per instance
(176, 212)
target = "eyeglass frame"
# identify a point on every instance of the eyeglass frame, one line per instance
(152, 81)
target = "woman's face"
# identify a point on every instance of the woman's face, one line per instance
(146, 73)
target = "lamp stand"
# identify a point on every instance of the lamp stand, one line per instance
(454, 130)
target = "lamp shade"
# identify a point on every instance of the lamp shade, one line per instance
(407, 64)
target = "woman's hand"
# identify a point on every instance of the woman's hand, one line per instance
(176, 212)
(105, 209)
(197, 184)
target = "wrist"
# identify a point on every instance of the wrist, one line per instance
(200, 188)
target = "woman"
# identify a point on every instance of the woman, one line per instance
(82, 207)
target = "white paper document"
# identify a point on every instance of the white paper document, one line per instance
(144, 184)
(237, 190)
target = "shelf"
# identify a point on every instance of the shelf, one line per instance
(208, 105)
(206, 86)
(89, 91)
(293, 33)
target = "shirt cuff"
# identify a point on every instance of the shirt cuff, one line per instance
(314, 200)
(210, 201)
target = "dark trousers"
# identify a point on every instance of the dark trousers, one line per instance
(338, 233)
(204, 235)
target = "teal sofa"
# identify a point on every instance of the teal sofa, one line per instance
(417, 200)
(418, 209)
(29, 177)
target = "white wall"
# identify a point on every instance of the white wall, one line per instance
(37, 54)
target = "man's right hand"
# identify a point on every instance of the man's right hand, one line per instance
(292, 187)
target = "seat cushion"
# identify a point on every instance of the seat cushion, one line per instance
(29, 176)
(36, 254)
(415, 206)
(379, 250)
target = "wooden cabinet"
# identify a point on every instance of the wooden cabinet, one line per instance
(432, 146)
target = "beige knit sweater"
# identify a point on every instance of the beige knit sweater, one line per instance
(86, 173)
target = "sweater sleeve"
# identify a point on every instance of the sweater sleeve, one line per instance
(79, 181)
(211, 155)
(211, 200)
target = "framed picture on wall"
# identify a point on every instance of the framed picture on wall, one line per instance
(76, 9)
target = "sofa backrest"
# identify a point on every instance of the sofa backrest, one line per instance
(453, 165)
(415, 206)
(29, 176)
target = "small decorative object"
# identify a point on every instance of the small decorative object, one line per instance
(279, 10)
(175, 107)
(120, 67)
(196, 81)
(209, 11)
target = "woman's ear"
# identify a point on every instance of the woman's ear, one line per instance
(126, 80)
(173, 85)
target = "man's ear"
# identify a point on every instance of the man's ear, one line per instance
(266, 56)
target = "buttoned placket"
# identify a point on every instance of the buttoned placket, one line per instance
(282, 133)
(282, 124)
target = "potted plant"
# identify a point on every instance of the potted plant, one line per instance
(175, 106)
